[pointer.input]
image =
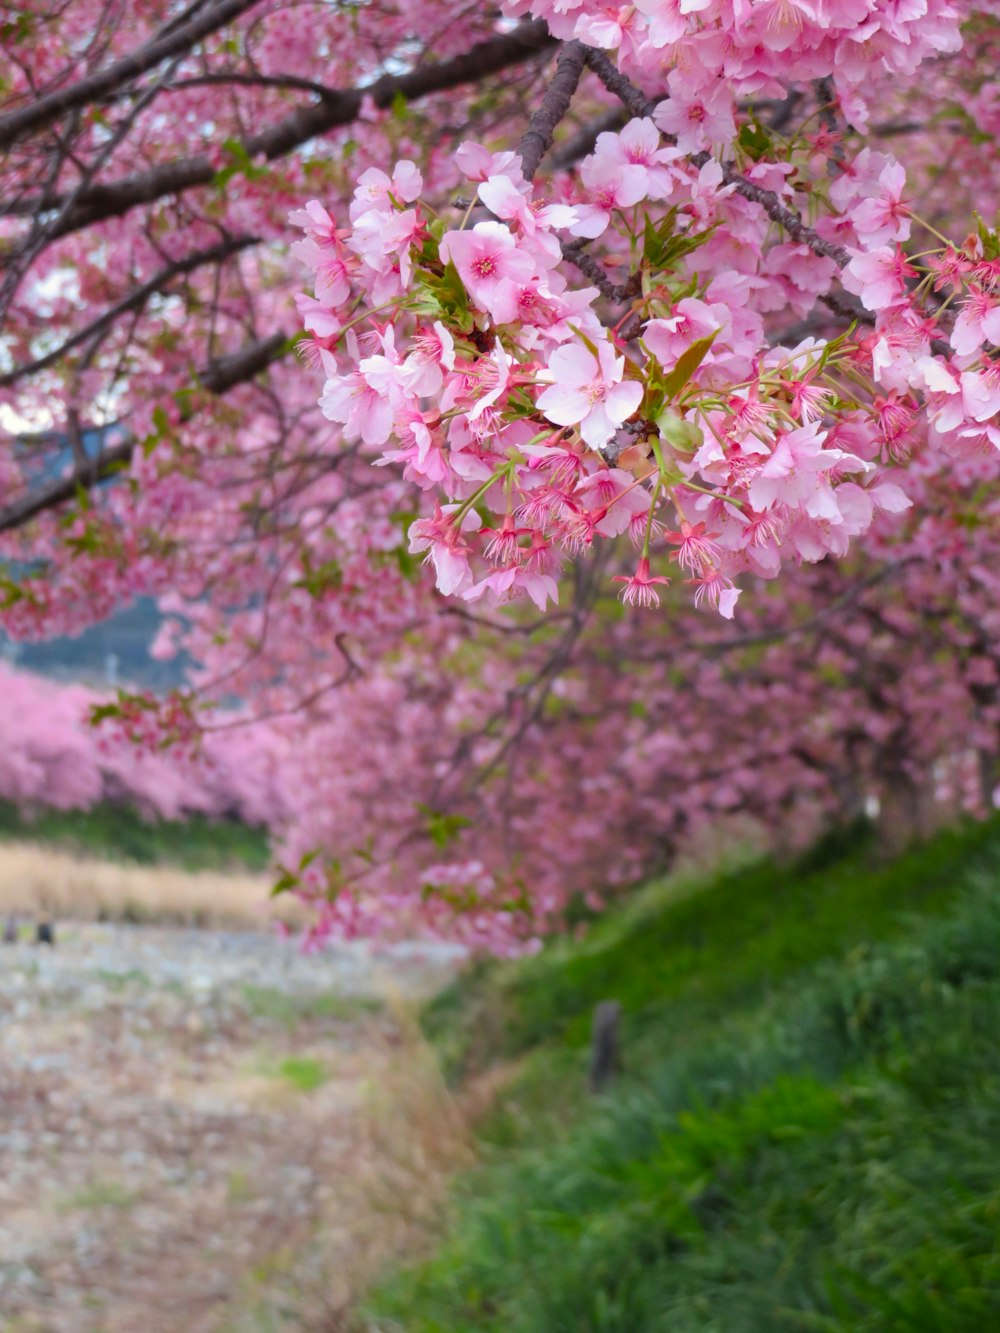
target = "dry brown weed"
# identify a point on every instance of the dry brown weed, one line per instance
(36, 881)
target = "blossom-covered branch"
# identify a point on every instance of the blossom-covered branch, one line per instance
(621, 307)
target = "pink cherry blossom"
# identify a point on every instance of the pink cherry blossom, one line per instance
(364, 412)
(639, 589)
(610, 185)
(878, 277)
(511, 203)
(639, 144)
(696, 118)
(504, 584)
(375, 190)
(446, 548)
(977, 322)
(491, 265)
(884, 217)
(588, 391)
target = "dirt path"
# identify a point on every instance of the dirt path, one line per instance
(192, 1124)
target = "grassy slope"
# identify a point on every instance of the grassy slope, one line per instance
(121, 833)
(805, 1137)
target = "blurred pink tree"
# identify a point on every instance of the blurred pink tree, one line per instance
(611, 308)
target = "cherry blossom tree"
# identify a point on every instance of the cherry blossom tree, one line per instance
(620, 319)
(52, 758)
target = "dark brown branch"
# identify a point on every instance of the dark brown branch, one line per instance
(100, 202)
(847, 308)
(638, 104)
(45, 227)
(541, 129)
(219, 377)
(585, 140)
(785, 217)
(889, 129)
(574, 253)
(106, 463)
(229, 78)
(134, 300)
(16, 124)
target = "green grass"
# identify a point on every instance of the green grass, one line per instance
(118, 981)
(100, 1194)
(289, 1008)
(685, 953)
(303, 1072)
(805, 1136)
(121, 833)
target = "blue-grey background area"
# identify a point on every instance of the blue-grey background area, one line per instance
(115, 652)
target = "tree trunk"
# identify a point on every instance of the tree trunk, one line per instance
(906, 813)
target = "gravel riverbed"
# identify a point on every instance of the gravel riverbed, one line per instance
(182, 1115)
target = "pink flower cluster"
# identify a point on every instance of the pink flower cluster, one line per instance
(715, 51)
(718, 332)
(465, 354)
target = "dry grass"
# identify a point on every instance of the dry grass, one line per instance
(412, 1137)
(40, 880)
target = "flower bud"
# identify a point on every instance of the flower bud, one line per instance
(678, 433)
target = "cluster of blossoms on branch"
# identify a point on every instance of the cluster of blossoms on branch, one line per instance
(543, 414)
(722, 313)
(709, 50)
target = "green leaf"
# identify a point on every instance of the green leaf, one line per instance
(442, 828)
(755, 141)
(687, 363)
(589, 343)
(292, 879)
(240, 164)
(102, 712)
(10, 593)
(318, 580)
(664, 245)
(681, 434)
(449, 295)
(87, 542)
(285, 882)
(989, 237)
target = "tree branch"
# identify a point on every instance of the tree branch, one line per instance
(97, 469)
(224, 374)
(218, 378)
(786, 218)
(638, 104)
(574, 253)
(541, 131)
(16, 124)
(585, 140)
(99, 202)
(132, 301)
